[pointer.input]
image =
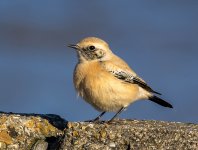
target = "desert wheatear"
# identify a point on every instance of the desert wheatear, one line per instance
(106, 81)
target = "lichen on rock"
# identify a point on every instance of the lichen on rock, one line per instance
(22, 131)
(41, 132)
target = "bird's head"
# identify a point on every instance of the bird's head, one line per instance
(92, 49)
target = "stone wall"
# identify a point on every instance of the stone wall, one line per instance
(41, 132)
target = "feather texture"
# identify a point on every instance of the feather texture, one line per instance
(127, 75)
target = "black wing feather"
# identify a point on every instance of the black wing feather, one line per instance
(132, 79)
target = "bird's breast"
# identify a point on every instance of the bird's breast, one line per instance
(101, 89)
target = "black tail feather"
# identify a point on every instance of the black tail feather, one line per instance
(160, 101)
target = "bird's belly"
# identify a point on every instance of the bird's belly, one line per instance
(107, 93)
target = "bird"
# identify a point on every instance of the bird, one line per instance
(106, 81)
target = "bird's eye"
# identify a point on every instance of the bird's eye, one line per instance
(92, 48)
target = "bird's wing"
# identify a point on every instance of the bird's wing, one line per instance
(127, 77)
(126, 74)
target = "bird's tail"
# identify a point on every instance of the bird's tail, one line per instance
(160, 101)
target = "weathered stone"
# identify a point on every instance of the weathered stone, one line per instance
(24, 131)
(41, 132)
(2, 145)
(131, 134)
(40, 145)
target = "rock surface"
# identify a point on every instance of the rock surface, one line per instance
(131, 134)
(29, 131)
(41, 132)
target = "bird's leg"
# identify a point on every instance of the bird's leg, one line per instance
(97, 118)
(123, 108)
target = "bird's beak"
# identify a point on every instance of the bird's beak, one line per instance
(73, 46)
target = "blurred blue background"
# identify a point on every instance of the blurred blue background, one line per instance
(158, 39)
